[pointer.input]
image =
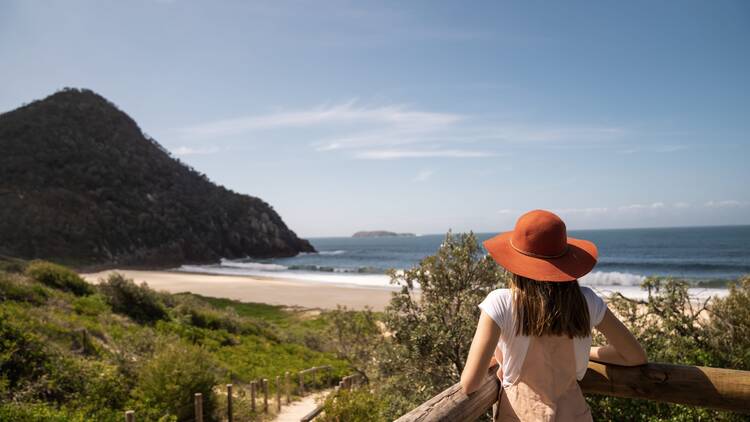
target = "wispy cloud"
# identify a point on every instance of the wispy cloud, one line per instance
(729, 203)
(632, 207)
(584, 211)
(661, 149)
(391, 154)
(348, 112)
(423, 176)
(397, 131)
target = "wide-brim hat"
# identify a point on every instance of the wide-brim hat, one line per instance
(540, 249)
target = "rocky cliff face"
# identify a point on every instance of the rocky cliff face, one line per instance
(79, 182)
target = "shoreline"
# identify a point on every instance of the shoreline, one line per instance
(258, 289)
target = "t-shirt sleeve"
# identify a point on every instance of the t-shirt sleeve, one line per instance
(597, 306)
(495, 305)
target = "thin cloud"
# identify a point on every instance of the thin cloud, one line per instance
(729, 203)
(399, 131)
(423, 176)
(392, 154)
(585, 211)
(632, 207)
(345, 113)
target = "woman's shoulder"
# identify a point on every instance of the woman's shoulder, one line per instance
(589, 293)
(500, 294)
(597, 305)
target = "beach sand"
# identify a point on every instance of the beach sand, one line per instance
(274, 291)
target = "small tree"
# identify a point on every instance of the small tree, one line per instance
(355, 336)
(432, 328)
(138, 302)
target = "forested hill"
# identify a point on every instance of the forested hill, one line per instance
(80, 183)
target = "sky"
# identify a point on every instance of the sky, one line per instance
(420, 116)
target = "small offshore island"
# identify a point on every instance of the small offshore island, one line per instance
(381, 233)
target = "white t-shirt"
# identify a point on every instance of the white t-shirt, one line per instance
(499, 306)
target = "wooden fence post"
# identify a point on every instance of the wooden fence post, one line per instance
(278, 393)
(229, 403)
(252, 396)
(130, 416)
(265, 395)
(198, 407)
(286, 387)
(301, 384)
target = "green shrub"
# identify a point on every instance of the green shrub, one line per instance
(35, 412)
(22, 355)
(18, 288)
(93, 305)
(167, 383)
(359, 405)
(58, 277)
(138, 302)
(198, 314)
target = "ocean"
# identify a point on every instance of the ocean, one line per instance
(707, 257)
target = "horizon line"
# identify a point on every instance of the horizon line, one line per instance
(599, 229)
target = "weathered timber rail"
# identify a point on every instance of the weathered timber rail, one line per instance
(716, 388)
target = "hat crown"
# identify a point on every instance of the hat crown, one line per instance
(540, 233)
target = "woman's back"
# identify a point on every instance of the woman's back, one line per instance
(499, 305)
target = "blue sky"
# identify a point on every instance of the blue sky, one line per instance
(420, 116)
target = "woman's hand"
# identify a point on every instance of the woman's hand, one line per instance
(480, 353)
(623, 348)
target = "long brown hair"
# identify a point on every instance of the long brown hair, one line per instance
(549, 308)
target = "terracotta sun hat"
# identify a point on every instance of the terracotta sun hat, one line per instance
(539, 248)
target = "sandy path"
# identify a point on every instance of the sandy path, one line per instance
(295, 411)
(275, 291)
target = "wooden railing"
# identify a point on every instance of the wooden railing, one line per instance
(257, 389)
(716, 388)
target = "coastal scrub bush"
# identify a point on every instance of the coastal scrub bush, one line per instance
(58, 277)
(16, 287)
(202, 315)
(167, 383)
(432, 331)
(729, 331)
(426, 335)
(140, 303)
(359, 405)
(92, 305)
(355, 336)
(22, 355)
(674, 327)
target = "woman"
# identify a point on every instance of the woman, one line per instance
(539, 330)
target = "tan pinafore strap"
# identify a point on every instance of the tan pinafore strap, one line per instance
(546, 389)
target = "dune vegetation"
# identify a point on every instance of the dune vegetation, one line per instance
(74, 351)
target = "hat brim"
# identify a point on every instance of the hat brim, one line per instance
(578, 261)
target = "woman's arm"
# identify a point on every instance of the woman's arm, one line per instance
(623, 348)
(480, 353)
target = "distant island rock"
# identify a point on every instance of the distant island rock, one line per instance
(81, 184)
(381, 233)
